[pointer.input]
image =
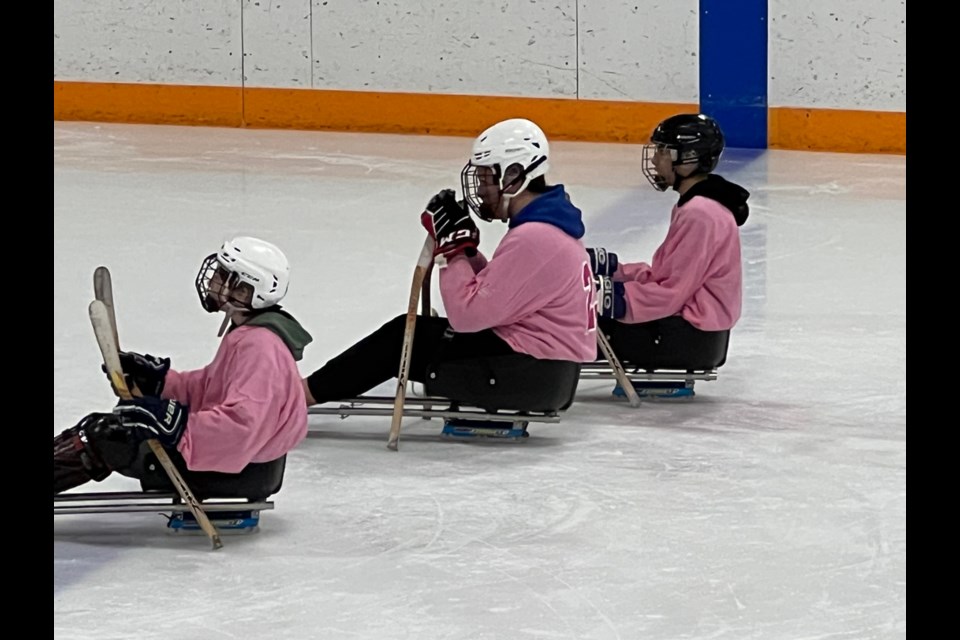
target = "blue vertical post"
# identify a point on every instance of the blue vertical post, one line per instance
(733, 69)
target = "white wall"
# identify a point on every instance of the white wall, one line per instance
(169, 42)
(277, 43)
(485, 47)
(848, 55)
(838, 55)
(642, 50)
(480, 47)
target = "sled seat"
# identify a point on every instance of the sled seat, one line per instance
(513, 382)
(256, 482)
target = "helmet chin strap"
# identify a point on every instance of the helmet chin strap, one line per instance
(504, 206)
(677, 179)
(231, 312)
(505, 197)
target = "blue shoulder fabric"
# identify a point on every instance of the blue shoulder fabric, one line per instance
(553, 206)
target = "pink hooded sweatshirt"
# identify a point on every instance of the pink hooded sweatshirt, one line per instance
(537, 292)
(246, 406)
(696, 273)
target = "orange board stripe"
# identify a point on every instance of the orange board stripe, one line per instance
(148, 103)
(444, 114)
(453, 115)
(837, 130)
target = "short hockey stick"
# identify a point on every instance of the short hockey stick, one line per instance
(103, 320)
(419, 275)
(618, 369)
(102, 328)
(426, 309)
(103, 291)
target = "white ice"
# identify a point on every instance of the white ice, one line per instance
(771, 505)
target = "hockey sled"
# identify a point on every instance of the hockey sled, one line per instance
(495, 397)
(670, 375)
(235, 515)
(232, 501)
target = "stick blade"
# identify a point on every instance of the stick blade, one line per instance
(618, 371)
(393, 440)
(103, 291)
(103, 285)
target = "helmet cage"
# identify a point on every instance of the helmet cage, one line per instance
(679, 155)
(470, 185)
(213, 295)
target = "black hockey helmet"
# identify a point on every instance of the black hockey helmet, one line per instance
(692, 138)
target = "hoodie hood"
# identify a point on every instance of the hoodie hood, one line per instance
(730, 195)
(553, 206)
(284, 325)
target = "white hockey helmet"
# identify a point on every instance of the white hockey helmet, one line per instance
(244, 261)
(517, 141)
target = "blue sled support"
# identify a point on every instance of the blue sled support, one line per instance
(465, 428)
(659, 389)
(224, 521)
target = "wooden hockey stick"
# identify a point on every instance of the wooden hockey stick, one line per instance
(618, 369)
(102, 319)
(103, 291)
(419, 274)
(426, 308)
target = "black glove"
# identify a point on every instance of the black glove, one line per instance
(610, 295)
(150, 417)
(603, 262)
(450, 224)
(146, 372)
(112, 442)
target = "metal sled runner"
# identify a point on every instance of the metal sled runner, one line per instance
(227, 514)
(459, 421)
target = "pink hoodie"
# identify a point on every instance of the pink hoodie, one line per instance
(695, 273)
(536, 293)
(245, 406)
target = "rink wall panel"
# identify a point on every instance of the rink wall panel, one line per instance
(818, 77)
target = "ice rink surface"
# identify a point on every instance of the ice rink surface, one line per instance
(771, 505)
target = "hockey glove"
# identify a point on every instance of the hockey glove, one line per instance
(150, 417)
(603, 262)
(112, 442)
(450, 224)
(610, 295)
(147, 372)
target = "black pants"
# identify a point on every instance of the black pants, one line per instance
(376, 358)
(80, 455)
(668, 343)
(76, 463)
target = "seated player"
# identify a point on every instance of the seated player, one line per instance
(676, 312)
(244, 408)
(534, 296)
